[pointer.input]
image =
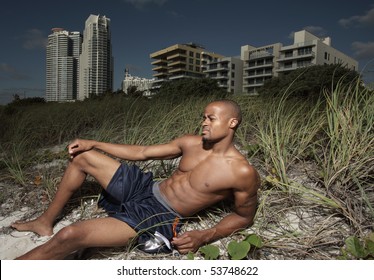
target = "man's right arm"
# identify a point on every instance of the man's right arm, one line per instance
(129, 152)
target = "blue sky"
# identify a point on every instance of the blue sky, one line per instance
(140, 27)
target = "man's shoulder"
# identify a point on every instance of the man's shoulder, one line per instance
(241, 167)
(189, 139)
(245, 174)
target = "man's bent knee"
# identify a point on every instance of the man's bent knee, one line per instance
(82, 159)
(68, 234)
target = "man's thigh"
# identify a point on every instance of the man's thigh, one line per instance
(100, 166)
(103, 232)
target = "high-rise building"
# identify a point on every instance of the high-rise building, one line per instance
(62, 64)
(96, 61)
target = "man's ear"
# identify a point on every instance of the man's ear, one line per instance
(234, 123)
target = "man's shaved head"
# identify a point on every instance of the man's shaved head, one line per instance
(233, 107)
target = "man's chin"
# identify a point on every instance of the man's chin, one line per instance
(206, 139)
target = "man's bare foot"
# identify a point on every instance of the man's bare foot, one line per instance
(37, 226)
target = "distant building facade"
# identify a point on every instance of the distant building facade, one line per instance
(180, 61)
(141, 84)
(265, 62)
(259, 65)
(62, 65)
(96, 61)
(227, 71)
(255, 66)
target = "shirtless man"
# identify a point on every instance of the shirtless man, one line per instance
(211, 169)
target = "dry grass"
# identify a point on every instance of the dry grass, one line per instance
(316, 164)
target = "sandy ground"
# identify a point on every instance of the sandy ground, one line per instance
(14, 243)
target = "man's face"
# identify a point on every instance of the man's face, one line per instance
(216, 122)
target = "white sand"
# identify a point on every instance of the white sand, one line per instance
(16, 243)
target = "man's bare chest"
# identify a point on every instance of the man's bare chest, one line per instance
(207, 174)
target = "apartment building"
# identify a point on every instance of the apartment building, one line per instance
(259, 65)
(62, 64)
(265, 62)
(180, 61)
(308, 50)
(227, 71)
(96, 61)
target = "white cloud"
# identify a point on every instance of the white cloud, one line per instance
(141, 3)
(34, 39)
(361, 20)
(363, 50)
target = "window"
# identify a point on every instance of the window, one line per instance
(288, 54)
(304, 51)
(288, 65)
(304, 63)
(269, 61)
(327, 56)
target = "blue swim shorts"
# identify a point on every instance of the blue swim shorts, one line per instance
(130, 198)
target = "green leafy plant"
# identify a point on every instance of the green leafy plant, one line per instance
(254, 240)
(358, 249)
(239, 250)
(210, 252)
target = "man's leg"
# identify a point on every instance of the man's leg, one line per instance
(100, 166)
(103, 232)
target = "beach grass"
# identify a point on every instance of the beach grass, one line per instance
(315, 158)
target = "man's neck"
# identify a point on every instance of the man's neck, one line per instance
(219, 147)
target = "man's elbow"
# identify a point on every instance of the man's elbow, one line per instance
(249, 222)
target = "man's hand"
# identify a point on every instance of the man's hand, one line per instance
(189, 241)
(78, 146)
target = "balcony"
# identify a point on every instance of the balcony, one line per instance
(159, 61)
(216, 68)
(286, 68)
(259, 75)
(219, 77)
(252, 85)
(176, 55)
(248, 66)
(293, 57)
(176, 62)
(160, 68)
(256, 55)
(160, 74)
(177, 69)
